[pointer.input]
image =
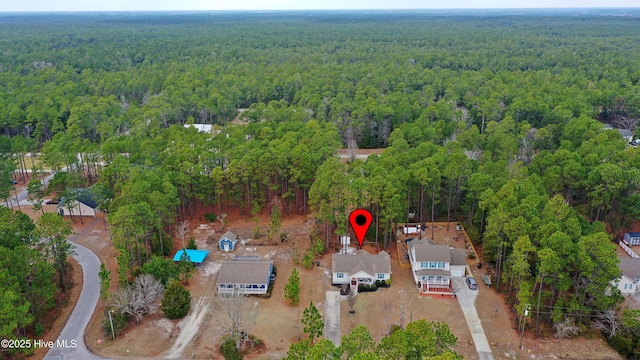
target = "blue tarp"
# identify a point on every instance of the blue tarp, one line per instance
(196, 256)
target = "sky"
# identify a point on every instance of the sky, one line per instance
(163, 5)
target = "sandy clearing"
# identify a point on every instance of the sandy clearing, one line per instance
(189, 327)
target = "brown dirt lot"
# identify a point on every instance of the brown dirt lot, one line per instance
(278, 324)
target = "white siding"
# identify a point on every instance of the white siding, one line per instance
(79, 209)
(340, 280)
(243, 288)
(457, 270)
(628, 286)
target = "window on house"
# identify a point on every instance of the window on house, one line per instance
(380, 276)
(628, 286)
(424, 264)
(441, 265)
(340, 275)
(432, 265)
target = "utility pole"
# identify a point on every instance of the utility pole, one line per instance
(113, 334)
(524, 316)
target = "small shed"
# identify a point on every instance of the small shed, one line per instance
(228, 241)
(632, 238)
(195, 256)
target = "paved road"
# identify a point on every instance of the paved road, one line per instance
(24, 194)
(332, 317)
(467, 299)
(76, 324)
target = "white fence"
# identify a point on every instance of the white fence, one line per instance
(626, 248)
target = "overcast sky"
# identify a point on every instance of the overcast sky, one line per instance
(150, 5)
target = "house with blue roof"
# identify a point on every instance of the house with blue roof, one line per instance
(632, 238)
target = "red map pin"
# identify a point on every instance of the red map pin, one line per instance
(360, 220)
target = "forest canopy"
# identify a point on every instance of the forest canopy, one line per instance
(494, 119)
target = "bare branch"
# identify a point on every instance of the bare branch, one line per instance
(608, 322)
(181, 231)
(234, 316)
(566, 328)
(140, 298)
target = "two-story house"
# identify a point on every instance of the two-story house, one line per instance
(434, 265)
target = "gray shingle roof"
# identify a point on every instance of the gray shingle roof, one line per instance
(458, 257)
(432, 272)
(229, 235)
(244, 272)
(630, 267)
(371, 264)
(423, 241)
(625, 132)
(438, 253)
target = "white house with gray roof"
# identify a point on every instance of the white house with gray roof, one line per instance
(434, 265)
(629, 282)
(360, 268)
(244, 276)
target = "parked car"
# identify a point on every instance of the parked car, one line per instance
(53, 201)
(471, 282)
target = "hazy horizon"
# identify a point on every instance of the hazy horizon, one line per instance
(292, 5)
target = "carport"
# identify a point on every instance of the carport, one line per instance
(195, 256)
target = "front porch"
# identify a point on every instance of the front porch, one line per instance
(435, 289)
(360, 280)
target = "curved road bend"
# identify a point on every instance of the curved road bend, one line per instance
(73, 332)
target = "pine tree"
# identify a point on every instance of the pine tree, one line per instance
(176, 301)
(292, 289)
(275, 223)
(185, 268)
(312, 321)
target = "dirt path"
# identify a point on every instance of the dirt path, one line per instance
(190, 326)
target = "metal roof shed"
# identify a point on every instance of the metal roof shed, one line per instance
(195, 256)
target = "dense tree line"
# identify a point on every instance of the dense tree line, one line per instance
(419, 340)
(30, 257)
(96, 77)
